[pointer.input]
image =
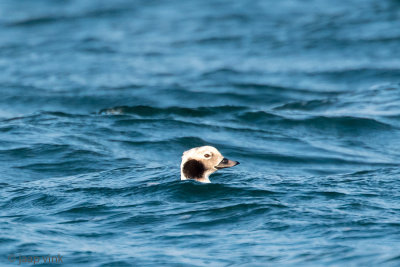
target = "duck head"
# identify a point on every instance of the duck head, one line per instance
(199, 162)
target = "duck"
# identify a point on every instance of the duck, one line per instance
(199, 163)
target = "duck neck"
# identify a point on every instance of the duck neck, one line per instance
(204, 180)
(194, 169)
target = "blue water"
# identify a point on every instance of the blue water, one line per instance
(100, 98)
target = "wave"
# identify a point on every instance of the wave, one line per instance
(49, 19)
(148, 111)
(337, 122)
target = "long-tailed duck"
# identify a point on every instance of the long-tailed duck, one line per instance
(199, 162)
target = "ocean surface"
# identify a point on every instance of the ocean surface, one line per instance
(100, 98)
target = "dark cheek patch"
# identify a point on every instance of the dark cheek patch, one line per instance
(193, 169)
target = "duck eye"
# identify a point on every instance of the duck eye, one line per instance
(207, 155)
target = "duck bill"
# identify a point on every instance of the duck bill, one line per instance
(226, 163)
